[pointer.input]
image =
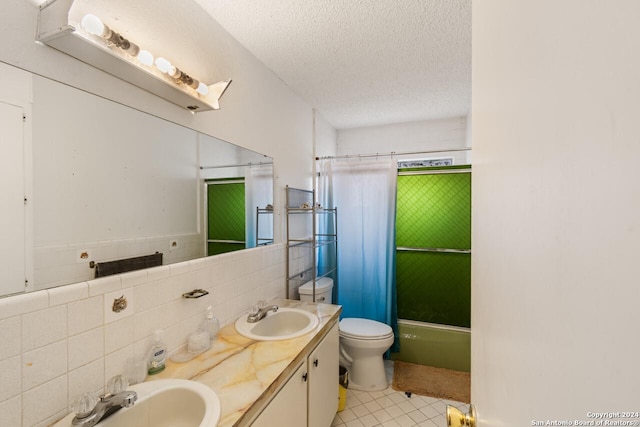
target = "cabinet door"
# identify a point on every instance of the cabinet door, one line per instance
(323, 380)
(289, 407)
(12, 224)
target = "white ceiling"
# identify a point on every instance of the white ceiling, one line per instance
(361, 62)
(358, 62)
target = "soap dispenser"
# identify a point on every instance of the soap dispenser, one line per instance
(157, 353)
(210, 324)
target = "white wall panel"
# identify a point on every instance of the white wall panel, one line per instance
(556, 210)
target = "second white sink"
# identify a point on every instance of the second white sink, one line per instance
(284, 324)
(165, 403)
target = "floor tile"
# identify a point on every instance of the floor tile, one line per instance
(391, 408)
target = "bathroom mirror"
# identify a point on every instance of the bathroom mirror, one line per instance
(238, 197)
(112, 182)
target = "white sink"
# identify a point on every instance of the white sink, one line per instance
(165, 403)
(284, 324)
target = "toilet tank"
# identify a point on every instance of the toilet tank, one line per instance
(324, 287)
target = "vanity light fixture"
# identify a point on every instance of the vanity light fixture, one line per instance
(95, 43)
(166, 67)
(93, 25)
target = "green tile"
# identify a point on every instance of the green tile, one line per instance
(226, 217)
(215, 248)
(434, 287)
(434, 211)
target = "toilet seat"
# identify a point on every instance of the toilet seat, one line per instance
(364, 329)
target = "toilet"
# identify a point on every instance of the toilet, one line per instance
(324, 287)
(362, 344)
(362, 341)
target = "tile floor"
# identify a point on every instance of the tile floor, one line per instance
(390, 408)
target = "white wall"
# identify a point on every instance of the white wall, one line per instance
(469, 133)
(407, 137)
(556, 211)
(326, 137)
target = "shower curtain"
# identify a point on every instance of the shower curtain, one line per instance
(364, 192)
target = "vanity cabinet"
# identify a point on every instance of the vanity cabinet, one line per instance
(289, 407)
(323, 366)
(13, 199)
(310, 396)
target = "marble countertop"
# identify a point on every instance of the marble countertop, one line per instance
(246, 373)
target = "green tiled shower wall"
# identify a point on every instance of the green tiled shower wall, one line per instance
(434, 287)
(226, 216)
(434, 211)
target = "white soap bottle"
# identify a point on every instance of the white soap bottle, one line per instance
(157, 354)
(210, 324)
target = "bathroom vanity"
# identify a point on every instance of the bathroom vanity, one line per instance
(306, 398)
(265, 383)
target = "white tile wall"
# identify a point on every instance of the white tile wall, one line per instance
(56, 264)
(42, 404)
(117, 335)
(85, 314)
(57, 343)
(11, 381)
(11, 411)
(86, 347)
(105, 285)
(67, 294)
(10, 337)
(87, 379)
(44, 364)
(25, 303)
(44, 327)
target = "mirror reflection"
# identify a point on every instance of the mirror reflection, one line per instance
(111, 182)
(238, 197)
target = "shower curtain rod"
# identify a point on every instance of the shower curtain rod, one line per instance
(393, 153)
(236, 166)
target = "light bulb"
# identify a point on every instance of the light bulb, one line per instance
(165, 66)
(202, 89)
(93, 25)
(145, 57)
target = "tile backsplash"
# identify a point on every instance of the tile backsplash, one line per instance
(66, 263)
(59, 343)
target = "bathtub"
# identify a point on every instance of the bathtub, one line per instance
(436, 345)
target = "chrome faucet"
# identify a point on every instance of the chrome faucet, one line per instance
(89, 412)
(258, 312)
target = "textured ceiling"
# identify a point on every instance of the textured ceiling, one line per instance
(361, 62)
(358, 62)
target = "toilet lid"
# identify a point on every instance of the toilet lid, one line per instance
(322, 284)
(364, 329)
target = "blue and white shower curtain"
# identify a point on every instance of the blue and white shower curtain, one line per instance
(364, 192)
